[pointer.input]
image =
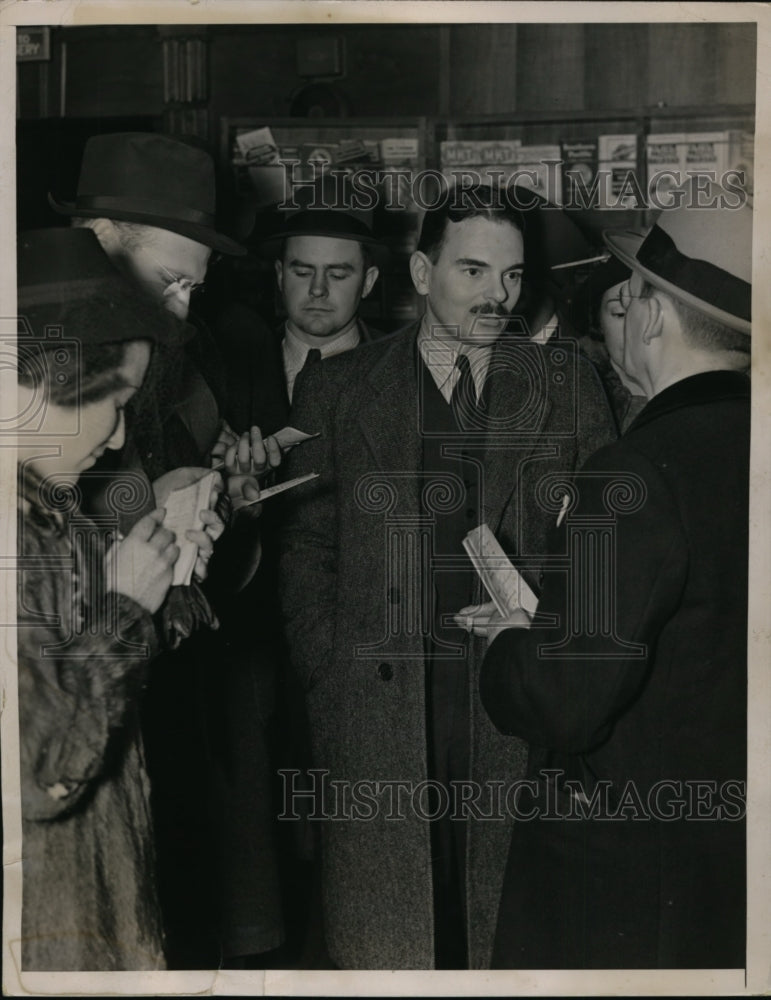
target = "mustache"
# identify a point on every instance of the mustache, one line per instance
(489, 310)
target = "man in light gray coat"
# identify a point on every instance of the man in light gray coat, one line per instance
(424, 435)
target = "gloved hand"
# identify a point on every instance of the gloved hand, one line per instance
(185, 610)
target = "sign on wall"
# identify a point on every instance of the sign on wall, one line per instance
(33, 44)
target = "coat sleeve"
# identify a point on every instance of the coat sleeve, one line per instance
(77, 692)
(308, 566)
(569, 702)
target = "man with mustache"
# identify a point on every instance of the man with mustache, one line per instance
(424, 435)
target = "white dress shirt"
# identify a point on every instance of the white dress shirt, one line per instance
(295, 351)
(440, 358)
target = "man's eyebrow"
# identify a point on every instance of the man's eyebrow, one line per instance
(344, 266)
(471, 262)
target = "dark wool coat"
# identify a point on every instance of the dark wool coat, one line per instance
(88, 894)
(344, 590)
(660, 700)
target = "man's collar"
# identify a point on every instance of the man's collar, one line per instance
(440, 357)
(701, 389)
(298, 348)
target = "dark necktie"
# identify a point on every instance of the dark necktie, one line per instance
(464, 396)
(313, 355)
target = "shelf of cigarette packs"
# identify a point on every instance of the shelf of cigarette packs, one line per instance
(368, 165)
(607, 168)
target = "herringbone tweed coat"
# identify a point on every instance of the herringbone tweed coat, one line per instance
(351, 586)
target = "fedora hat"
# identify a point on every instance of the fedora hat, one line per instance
(66, 280)
(700, 252)
(323, 222)
(150, 179)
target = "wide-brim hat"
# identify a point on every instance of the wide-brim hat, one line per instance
(700, 252)
(66, 282)
(150, 179)
(328, 222)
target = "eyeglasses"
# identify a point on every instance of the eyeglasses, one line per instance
(185, 285)
(625, 296)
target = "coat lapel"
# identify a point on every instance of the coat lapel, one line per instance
(518, 409)
(389, 416)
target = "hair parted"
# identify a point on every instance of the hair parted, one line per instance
(483, 201)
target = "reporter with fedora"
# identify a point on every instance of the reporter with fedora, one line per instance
(638, 725)
(150, 200)
(326, 262)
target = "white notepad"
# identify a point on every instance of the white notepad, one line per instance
(503, 581)
(183, 513)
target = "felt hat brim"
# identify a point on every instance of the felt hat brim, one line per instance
(624, 245)
(272, 247)
(204, 234)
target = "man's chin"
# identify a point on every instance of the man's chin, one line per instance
(318, 327)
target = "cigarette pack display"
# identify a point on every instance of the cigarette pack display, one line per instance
(579, 171)
(539, 169)
(619, 170)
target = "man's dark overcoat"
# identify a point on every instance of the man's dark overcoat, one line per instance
(653, 735)
(351, 584)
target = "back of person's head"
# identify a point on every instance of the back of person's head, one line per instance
(697, 257)
(705, 333)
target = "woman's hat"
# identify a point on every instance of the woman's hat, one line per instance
(150, 179)
(65, 280)
(700, 252)
(323, 222)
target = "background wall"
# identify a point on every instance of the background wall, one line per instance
(407, 70)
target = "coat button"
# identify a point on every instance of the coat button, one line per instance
(393, 595)
(471, 513)
(386, 671)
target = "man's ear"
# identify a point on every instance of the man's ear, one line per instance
(107, 233)
(279, 274)
(369, 280)
(420, 270)
(654, 325)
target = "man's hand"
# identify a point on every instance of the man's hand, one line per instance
(140, 566)
(204, 538)
(252, 456)
(177, 479)
(487, 621)
(243, 491)
(227, 438)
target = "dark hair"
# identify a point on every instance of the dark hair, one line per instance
(701, 331)
(71, 373)
(480, 201)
